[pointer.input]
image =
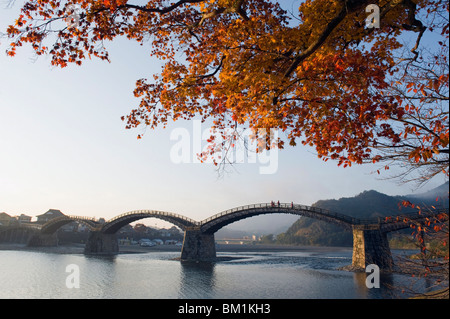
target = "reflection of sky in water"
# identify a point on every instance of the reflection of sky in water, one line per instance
(280, 275)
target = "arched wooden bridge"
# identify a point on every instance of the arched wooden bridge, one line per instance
(370, 245)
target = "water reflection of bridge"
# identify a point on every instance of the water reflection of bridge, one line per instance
(370, 244)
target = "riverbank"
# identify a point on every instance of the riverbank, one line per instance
(63, 249)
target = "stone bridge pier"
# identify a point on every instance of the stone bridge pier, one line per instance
(101, 243)
(43, 240)
(198, 246)
(371, 246)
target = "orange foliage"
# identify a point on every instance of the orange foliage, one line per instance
(322, 77)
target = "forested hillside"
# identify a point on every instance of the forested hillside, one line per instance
(368, 204)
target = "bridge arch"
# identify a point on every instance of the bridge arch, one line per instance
(54, 224)
(216, 222)
(114, 224)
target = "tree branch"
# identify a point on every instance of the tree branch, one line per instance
(351, 6)
(315, 45)
(160, 10)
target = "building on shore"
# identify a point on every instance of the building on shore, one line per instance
(50, 214)
(22, 218)
(5, 219)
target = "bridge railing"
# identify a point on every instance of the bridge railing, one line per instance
(327, 213)
(321, 211)
(156, 212)
(235, 209)
(93, 219)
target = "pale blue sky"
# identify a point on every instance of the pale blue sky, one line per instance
(63, 146)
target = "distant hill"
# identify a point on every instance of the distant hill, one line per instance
(368, 204)
(429, 198)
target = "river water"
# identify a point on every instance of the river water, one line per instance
(261, 275)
